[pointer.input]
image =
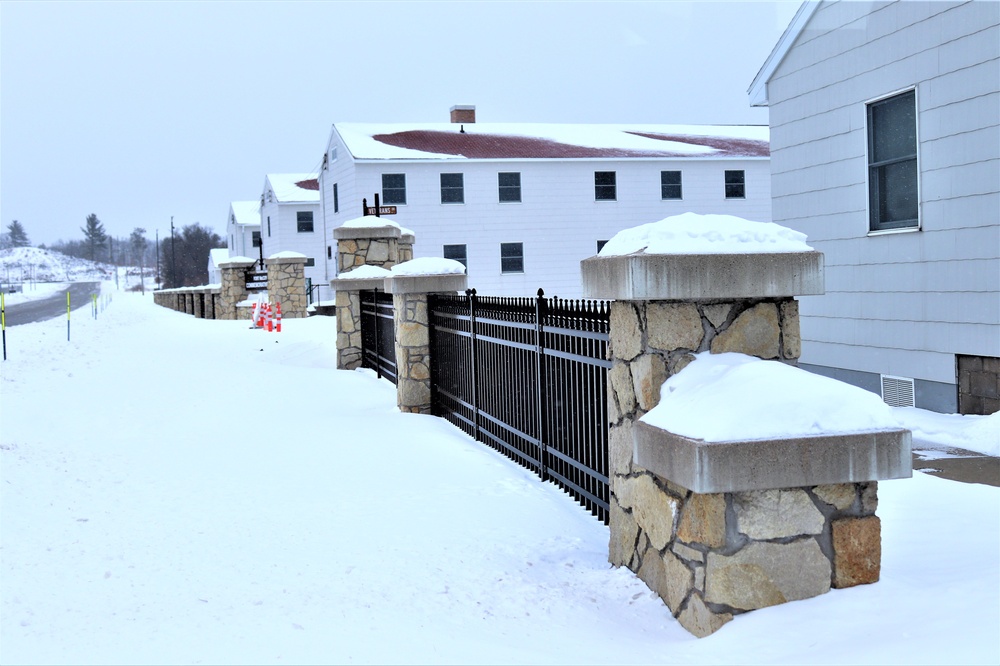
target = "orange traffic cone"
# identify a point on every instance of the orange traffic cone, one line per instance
(270, 319)
(278, 318)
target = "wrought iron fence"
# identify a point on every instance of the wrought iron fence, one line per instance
(528, 377)
(378, 334)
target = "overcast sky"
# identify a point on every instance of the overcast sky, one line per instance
(137, 111)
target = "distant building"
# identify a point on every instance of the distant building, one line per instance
(215, 257)
(522, 204)
(885, 151)
(243, 229)
(290, 221)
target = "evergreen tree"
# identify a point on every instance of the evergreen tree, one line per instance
(17, 236)
(189, 267)
(94, 234)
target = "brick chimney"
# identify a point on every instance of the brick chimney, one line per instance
(463, 114)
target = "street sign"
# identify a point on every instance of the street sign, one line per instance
(381, 210)
(256, 280)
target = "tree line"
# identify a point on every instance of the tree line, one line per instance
(183, 257)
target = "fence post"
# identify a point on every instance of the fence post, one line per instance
(710, 529)
(541, 394)
(471, 293)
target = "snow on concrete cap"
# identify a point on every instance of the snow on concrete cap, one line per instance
(365, 272)
(237, 260)
(731, 422)
(699, 257)
(370, 226)
(429, 266)
(287, 254)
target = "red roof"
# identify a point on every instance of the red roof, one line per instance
(501, 146)
(311, 184)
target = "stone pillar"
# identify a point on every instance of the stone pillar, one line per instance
(413, 352)
(198, 303)
(348, 288)
(366, 248)
(286, 283)
(715, 540)
(406, 241)
(234, 286)
(367, 242)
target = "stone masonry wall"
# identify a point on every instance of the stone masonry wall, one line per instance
(978, 384)
(233, 290)
(712, 556)
(413, 376)
(286, 284)
(348, 329)
(354, 252)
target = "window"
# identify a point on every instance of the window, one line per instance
(892, 163)
(256, 238)
(268, 226)
(452, 188)
(605, 188)
(305, 221)
(510, 187)
(736, 187)
(329, 252)
(458, 253)
(511, 257)
(336, 199)
(670, 184)
(310, 262)
(394, 188)
(601, 244)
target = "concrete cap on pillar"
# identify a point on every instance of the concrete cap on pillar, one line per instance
(368, 226)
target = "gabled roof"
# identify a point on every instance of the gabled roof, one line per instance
(504, 141)
(758, 89)
(293, 187)
(218, 255)
(247, 213)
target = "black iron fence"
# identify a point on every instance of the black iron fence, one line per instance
(528, 377)
(378, 334)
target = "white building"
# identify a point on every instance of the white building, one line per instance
(885, 150)
(522, 204)
(290, 221)
(216, 256)
(243, 229)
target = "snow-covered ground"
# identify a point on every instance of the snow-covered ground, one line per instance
(42, 273)
(176, 490)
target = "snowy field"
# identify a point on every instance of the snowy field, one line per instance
(179, 491)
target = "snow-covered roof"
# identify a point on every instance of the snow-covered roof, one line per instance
(691, 233)
(293, 187)
(218, 255)
(758, 89)
(247, 213)
(487, 141)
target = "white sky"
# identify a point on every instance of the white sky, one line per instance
(142, 110)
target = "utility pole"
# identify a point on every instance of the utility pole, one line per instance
(157, 258)
(173, 255)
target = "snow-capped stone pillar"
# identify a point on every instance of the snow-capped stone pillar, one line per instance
(286, 283)
(234, 285)
(717, 529)
(410, 284)
(348, 288)
(367, 241)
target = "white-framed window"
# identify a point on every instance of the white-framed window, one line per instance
(310, 261)
(255, 238)
(670, 185)
(268, 226)
(394, 188)
(458, 252)
(511, 257)
(452, 188)
(605, 186)
(736, 184)
(892, 163)
(336, 199)
(304, 220)
(509, 185)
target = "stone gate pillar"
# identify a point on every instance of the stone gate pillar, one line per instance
(370, 245)
(412, 324)
(718, 529)
(286, 283)
(234, 286)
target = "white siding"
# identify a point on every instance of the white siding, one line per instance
(286, 237)
(558, 219)
(906, 303)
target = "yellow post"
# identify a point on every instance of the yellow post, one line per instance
(67, 315)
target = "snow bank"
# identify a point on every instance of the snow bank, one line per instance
(733, 397)
(972, 433)
(429, 266)
(691, 233)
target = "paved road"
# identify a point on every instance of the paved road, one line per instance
(53, 306)
(960, 465)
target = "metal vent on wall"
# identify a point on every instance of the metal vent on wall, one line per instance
(897, 391)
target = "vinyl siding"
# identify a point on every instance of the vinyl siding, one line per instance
(903, 303)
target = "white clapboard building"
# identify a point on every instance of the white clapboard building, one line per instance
(290, 221)
(522, 204)
(885, 142)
